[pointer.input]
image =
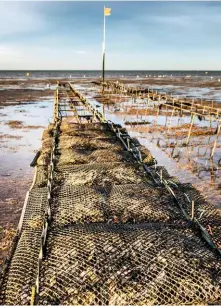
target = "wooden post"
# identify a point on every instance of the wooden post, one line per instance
(169, 126)
(54, 107)
(210, 120)
(192, 210)
(191, 125)
(166, 116)
(216, 140)
(158, 110)
(212, 172)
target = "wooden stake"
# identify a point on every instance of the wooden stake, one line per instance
(169, 126)
(166, 116)
(191, 125)
(158, 110)
(216, 140)
(193, 210)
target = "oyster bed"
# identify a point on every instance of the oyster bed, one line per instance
(114, 237)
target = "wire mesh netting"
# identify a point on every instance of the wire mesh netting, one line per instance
(41, 176)
(81, 156)
(130, 203)
(24, 264)
(67, 142)
(120, 265)
(36, 208)
(17, 286)
(206, 214)
(116, 236)
(87, 133)
(79, 204)
(142, 203)
(106, 174)
(70, 126)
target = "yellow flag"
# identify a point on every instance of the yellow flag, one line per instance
(107, 11)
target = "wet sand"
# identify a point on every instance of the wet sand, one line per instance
(205, 91)
(24, 114)
(178, 81)
(14, 92)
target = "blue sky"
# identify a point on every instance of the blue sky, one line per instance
(140, 35)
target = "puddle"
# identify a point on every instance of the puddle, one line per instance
(17, 149)
(201, 174)
(205, 93)
(24, 86)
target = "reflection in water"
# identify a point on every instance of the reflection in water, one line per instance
(17, 146)
(189, 149)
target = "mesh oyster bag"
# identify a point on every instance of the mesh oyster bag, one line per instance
(121, 265)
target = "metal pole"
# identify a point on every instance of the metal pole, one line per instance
(103, 59)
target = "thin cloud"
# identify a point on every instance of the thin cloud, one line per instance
(140, 35)
(80, 51)
(19, 17)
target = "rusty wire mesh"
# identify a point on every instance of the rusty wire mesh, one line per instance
(36, 208)
(78, 204)
(106, 174)
(87, 133)
(67, 142)
(121, 265)
(16, 289)
(207, 214)
(70, 126)
(23, 268)
(132, 203)
(81, 156)
(41, 176)
(204, 212)
(116, 236)
(142, 203)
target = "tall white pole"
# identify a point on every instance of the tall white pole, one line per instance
(103, 60)
(104, 29)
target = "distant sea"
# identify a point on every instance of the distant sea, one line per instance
(109, 74)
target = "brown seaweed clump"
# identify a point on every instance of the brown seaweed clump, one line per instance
(6, 236)
(146, 156)
(15, 124)
(47, 143)
(44, 159)
(48, 132)
(195, 131)
(71, 156)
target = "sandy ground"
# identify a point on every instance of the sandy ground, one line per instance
(13, 92)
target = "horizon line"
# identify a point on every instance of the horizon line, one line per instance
(99, 70)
